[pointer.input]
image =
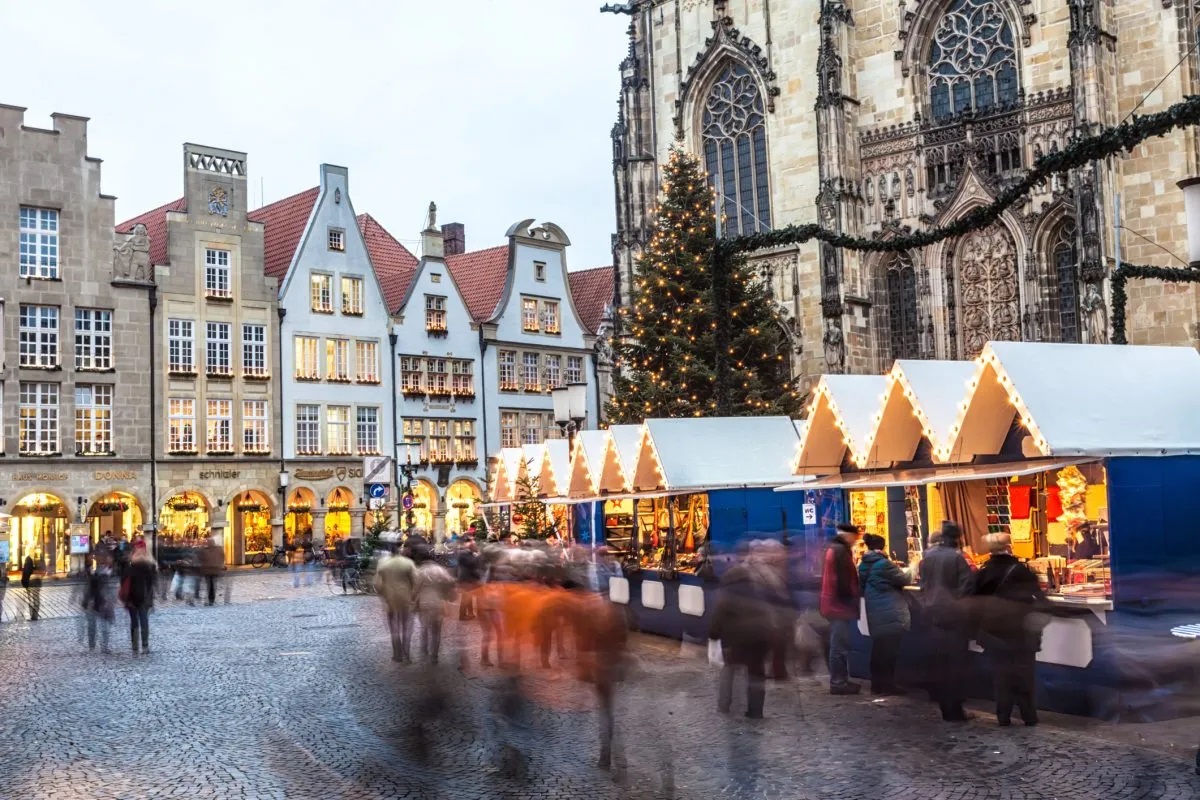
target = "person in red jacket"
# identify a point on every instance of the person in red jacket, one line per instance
(839, 605)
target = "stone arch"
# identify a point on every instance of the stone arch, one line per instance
(1055, 246)
(727, 43)
(916, 28)
(983, 270)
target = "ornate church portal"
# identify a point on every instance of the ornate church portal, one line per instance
(989, 293)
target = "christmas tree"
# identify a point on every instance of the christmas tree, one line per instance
(694, 343)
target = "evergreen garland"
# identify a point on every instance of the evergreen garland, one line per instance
(1120, 299)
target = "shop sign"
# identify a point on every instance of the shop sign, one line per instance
(115, 475)
(219, 474)
(81, 541)
(39, 477)
(810, 513)
(341, 473)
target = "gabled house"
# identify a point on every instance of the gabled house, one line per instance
(336, 393)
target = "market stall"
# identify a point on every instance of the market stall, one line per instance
(1096, 489)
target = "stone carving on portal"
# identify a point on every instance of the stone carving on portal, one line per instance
(989, 291)
(835, 348)
(1095, 315)
(131, 258)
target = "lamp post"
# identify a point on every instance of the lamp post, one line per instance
(284, 479)
(1191, 212)
(570, 410)
(407, 471)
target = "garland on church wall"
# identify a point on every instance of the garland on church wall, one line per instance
(1120, 299)
(1111, 141)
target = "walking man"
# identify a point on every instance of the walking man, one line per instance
(946, 581)
(395, 582)
(839, 605)
(212, 559)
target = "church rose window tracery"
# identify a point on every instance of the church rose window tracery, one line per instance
(903, 324)
(972, 60)
(989, 289)
(734, 135)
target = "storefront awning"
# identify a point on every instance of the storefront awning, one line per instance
(924, 476)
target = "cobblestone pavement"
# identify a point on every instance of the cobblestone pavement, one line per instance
(298, 698)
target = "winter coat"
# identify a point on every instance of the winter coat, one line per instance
(27, 572)
(395, 581)
(1007, 592)
(212, 559)
(883, 589)
(742, 618)
(141, 576)
(434, 588)
(839, 582)
(98, 597)
(946, 581)
(470, 567)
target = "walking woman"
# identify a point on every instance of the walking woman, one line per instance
(888, 618)
(137, 593)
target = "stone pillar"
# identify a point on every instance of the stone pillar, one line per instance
(318, 533)
(439, 525)
(357, 523)
(219, 531)
(277, 531)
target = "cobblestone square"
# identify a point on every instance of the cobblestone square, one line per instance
(291, 693)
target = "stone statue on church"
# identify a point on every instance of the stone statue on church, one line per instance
(835, 349)
(1095, 315)
(131, 258)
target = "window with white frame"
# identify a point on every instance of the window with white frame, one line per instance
(322, 293)
(308, 429)
(254, 427)
(181, 345)
(216, 342)
(439, 377)
(508, 370)
(553, 372)
(366, 431)
(532, 429)
(574, 369)
(181, 425)
(38, 247)
(550, 429)
(38, 344)
(529, 314)
(463, 378)
(530, 367)
(508, 429)
(38, 421)
(366, 361)
(464, 440)
(337, 239)
(551, 318)
(435, 313)
(308, 358)
(337, 430)
(216, 273)
(440, 441)
(218, 421)
(352, 296)
(93, 339)
(414, 431)
(254, 350)
(410, 374)
(93, 419)
(337, 360)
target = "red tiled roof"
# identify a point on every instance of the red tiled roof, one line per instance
(284, 222)
(156, 228)
(592, 291)
(480, 277)
(394, 265)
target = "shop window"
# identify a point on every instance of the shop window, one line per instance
(184, 521)
(39, 528)
(462, 498)
(671, 532)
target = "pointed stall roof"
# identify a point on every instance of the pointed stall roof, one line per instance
(843, 413)
(531, 461)
(922, 399)
(626, 440)
(595, 466)
(554, 475)
(715, 453)
(504, 480)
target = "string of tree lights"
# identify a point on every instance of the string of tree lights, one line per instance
(698, 341)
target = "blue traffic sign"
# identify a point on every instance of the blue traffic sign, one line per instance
(407, 502)
(377, 490)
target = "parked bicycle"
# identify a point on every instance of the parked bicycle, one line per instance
(351, 576)
(279, 558)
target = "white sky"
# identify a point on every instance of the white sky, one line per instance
(499, 111)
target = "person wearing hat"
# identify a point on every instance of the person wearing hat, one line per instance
(839, 604)
(946, 581)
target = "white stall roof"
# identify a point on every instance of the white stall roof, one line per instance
(722, 452)
(922, 476)
(504, 477)
(554, 477)
(595, 467)
(1100, 400)
(531, 458)
(939, 388)
(842, 415)
(627, 438)
(924, 398)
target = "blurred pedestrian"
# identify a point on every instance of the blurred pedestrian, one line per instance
(769, 564)
(99, 604)
(743, 624)
(470, 571)
(946, 581)
(1007, 593)
(137, 594)
(212, 560)
(840, 605)
(888, 617)
(434, 588)
(31, 582)
(395, 582)
(3, 586)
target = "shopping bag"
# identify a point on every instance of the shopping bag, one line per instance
(715, 656)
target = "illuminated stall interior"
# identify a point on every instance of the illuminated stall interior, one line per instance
(337, 515)
(298, 519)
(117, 514)
(248, 520)
(184, 521)
(39, 527)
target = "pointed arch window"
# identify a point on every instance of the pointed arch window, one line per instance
(972, 60)
(734, 137)
(1064, 258)
(904, 326)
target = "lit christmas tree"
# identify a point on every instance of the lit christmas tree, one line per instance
(692, 346)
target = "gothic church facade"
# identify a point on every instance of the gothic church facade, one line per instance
(880, 117)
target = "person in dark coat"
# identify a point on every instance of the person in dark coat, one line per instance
(888, 617)
(839, 604)
(1007, 592)
(138, 595)
(743, 623)
(31, 582)
(470, 573)
(946, 581)
(212, 561)
(98, 602)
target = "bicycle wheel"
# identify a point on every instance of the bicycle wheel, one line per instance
(279, 560)
(336, 580)
(259, 560)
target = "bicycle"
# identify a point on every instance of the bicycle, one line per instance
(350, 577)
(279, 558)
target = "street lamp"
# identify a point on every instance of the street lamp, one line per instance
(570, 410)
(1191, 213)
(408, 471)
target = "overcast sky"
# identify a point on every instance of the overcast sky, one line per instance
(499, 111)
